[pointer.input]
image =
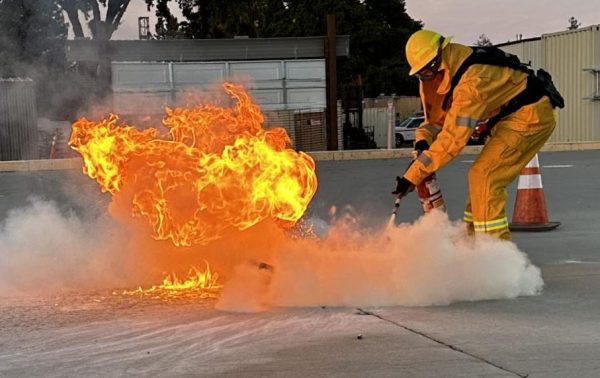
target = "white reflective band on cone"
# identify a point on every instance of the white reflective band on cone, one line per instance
(530, 182)
(534, 163)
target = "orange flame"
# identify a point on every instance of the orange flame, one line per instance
(216, 169)
(199, 284)
(196, 280)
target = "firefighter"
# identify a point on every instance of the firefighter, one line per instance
(457, 92)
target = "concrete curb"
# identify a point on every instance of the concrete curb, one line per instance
(41, 165)
(571, 146)
(468, 150)
(76, 163)
(374, 154)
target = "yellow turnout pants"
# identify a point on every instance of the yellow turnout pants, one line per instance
(514, 141)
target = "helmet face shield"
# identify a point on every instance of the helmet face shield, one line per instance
(432, 68)
(429, 72)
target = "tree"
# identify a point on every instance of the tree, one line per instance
(573, 23)
(378, 31)
(32, 44)
(167, 25)
(33, 32)
(100, 29)
(99, 72)
(208, 18)
(483, 40)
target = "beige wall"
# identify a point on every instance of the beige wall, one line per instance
(406, 106)
(529, 52)
(566, 55)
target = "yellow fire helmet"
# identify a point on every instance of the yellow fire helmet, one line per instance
(422, 47)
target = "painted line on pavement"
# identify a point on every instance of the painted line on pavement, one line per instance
(558, 166)
(543, 166)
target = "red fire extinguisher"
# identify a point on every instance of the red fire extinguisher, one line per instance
(430, 194)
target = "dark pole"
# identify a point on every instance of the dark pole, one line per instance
(331, 79)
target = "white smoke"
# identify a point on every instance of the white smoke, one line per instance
(43, 250)
(431, 262)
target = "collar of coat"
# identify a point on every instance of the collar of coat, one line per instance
(452, 57)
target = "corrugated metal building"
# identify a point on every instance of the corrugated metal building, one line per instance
(281, 73)
(573, 59)
(146, 87)
(18, 119)
(196, 50)
(286, 76)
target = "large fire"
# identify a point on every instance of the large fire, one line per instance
(215, 169)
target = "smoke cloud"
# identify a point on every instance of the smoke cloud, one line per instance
(43, 250)
(430, 262)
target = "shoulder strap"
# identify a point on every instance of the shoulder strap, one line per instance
(490, 55)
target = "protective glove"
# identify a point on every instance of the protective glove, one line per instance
(403, 186)
(420, 146)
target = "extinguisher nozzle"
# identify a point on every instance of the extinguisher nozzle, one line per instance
(396, 205)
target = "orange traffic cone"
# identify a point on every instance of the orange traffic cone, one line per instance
(530, 206)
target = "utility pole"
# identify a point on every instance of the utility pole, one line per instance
(331, 84)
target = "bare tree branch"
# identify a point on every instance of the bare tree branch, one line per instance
(72, 10)
(95, 10)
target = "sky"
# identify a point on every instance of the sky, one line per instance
(500, 21)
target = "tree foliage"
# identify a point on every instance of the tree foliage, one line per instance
(206, 18)
(90, 10)
(32, 45)
(378, 31)
(96, 72)
(483, 40)
(33, 32)
(167, 25)
(573, 23)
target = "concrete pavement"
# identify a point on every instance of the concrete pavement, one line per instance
(555, 334)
